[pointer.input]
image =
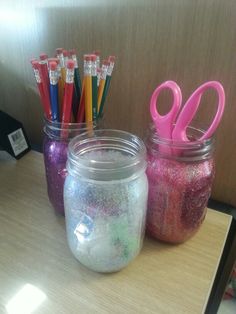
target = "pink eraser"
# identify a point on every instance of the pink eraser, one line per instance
(43, 56)
(53, 66)
(70, 64)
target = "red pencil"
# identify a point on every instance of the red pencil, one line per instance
(44, 100)
(44, 61)
(43, 69)
(68, 92)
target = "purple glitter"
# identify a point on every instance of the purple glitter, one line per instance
(55, 157)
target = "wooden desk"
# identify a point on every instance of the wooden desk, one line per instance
(33, 249)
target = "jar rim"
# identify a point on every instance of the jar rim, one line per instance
(125, 153)
(67, 125)
(55, 129)
(157, 139)
(194, 150)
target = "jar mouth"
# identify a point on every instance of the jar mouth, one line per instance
(106, 155)
(60, 130)
(194, 149)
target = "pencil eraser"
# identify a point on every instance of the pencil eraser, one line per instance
(93, 57)
(53, 66)
(72, 51)
(70, 64)
(111, 59)
(32, 60)
(65, 53)
(105, 62)
(87, 57)
(35, 64)
(43, 56)
(59, 50)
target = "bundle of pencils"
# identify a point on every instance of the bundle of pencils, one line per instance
(63, 97)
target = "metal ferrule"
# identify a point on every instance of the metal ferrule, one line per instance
(53, 76)
(65, 61)
(104, 72)
(87, 68)
(62, 61)
(44, 62)
(37, 76)
(70, 76)
(94, 68)
(98, 62)
(110, 68)
(74, 58)
(59, 70)
(98, 78)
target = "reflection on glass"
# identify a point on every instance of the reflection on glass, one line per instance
(26, 300)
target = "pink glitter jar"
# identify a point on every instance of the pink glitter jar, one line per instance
(55, 147)
(180, 176)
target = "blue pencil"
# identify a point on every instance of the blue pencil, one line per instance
(53, 76)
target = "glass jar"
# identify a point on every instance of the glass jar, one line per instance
(105, 196)
(55, 145)
(180, 176)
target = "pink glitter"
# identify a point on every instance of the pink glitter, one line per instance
(178, 195)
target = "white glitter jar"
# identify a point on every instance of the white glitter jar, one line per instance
(105, 196)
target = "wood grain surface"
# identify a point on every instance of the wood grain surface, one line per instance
(154, 40)
(33, 250)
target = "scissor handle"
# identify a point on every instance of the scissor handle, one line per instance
(190, 108)
(164, 123)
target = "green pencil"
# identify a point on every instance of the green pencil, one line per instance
(94, 86)
(111, 60)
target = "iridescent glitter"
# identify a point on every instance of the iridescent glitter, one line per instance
(55, 147)
(178, 195)
(55, 157)
(105, 220)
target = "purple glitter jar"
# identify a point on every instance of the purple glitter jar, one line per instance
(55, 146)
(180, 176)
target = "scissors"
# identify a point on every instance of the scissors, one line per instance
(173, 125)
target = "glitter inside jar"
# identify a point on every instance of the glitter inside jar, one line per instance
(55, 147)
(180, 177)
(106, 199)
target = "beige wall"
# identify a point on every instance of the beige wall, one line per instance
(184, 40)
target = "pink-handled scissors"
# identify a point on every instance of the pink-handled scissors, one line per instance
(170, 126)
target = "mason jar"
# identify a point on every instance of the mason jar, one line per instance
(180, 176)
(55, 146)
(105, 196)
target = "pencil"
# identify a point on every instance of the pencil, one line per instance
(103, 76)
(68, 93)
(98, 76)
(60, 57)
(97, 53)
(53, 76)
(94, 86)
(43, 71)
(81, 111)
(77, 83)
(63, 65)
(88, 88)
(44, 100)
(43, 57)
(111, 61)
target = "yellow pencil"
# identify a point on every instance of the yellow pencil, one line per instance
(102, 81)
(63, 67)
(88, 88)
